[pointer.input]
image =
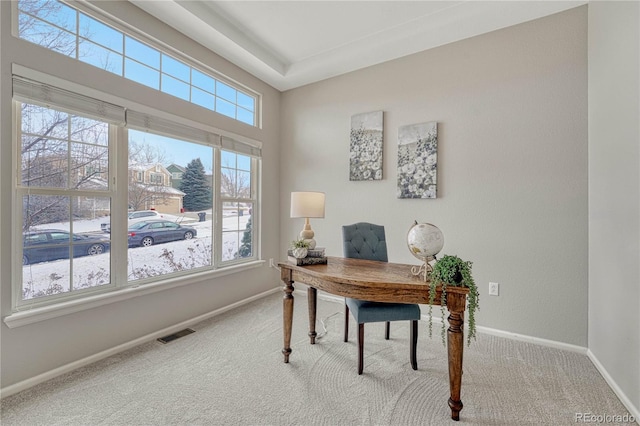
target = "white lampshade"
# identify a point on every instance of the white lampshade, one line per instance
(307, 204)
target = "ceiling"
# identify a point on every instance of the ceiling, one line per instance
(292, 43)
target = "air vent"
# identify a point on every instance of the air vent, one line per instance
(177, 335)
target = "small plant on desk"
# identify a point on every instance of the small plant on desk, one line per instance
(453, 271)
(299, 248)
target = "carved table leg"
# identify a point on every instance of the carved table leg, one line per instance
(312, 297)
(287, 311)
(455, 346)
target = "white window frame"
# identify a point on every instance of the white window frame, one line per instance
(94, 12)
(36, 310)
(253, 199)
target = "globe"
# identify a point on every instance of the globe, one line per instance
(425, 241)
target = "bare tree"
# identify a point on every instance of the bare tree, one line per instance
(234, 183)
(146, 153)
(59, 150)
(32, 29)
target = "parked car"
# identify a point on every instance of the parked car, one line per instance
(43, 245)
(158, 231)
(134, 217)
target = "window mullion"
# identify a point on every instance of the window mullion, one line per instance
(217, 210)
(119, 154)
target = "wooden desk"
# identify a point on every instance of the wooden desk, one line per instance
(378, 282)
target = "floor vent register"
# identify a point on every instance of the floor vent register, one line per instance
(177, 335)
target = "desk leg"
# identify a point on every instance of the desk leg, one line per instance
(312, 296)
(287, 312)
(455, 345)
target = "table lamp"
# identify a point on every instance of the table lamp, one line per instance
(306, 205)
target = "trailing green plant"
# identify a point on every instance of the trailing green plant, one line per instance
(299, 243)
(452, 271)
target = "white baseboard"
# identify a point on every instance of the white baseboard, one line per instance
(25, 384)
(633, 410)
(535, 340)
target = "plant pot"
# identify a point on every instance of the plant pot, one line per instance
(299, 252)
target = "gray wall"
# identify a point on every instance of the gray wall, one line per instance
(37, 348)
(511, 108)
(614, 192)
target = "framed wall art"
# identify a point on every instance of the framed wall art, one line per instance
(417, 160)
(365, 148)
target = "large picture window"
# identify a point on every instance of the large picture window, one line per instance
(68, 194)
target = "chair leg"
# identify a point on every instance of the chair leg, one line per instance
(414, 343)
(387, 327)
(346, 323)
(360, 348)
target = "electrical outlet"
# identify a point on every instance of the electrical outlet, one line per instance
(494, 289)
(271, 264)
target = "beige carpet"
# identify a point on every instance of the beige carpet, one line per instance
(230, 372)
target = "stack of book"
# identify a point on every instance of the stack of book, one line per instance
(314, 257)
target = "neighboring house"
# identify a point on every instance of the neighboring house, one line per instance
(176, 175)
(177, 172)
(150, 188)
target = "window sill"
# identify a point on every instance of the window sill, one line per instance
(30, 316)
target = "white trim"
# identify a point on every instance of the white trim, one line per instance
(30, 316)
(531, 339)
(633, 410)
(25, 384)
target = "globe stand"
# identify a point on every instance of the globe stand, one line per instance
(423, 269)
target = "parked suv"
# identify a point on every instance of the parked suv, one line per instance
(134, 217)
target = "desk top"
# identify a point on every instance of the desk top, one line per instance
(378, 281)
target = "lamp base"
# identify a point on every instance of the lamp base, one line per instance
(311, 242)
(307, 234)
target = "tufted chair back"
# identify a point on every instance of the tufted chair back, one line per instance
(364, 240)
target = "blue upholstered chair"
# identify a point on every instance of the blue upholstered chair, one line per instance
(367, 241)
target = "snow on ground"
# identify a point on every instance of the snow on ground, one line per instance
(90, 271)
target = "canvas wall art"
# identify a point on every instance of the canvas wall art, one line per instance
(417, 160)
(365, 161)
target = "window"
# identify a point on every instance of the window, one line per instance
(63, 29)
(156, 178)
(60, 202)
(148, 255)
(66, 194)
(238, 198)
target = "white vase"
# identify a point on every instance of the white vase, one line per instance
(299, 252)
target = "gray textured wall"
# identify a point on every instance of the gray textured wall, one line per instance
(614, 192)
(511, 108)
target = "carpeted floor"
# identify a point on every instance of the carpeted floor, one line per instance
(230, 372)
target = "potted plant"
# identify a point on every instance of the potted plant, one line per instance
(299, 248)
(453, 271)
